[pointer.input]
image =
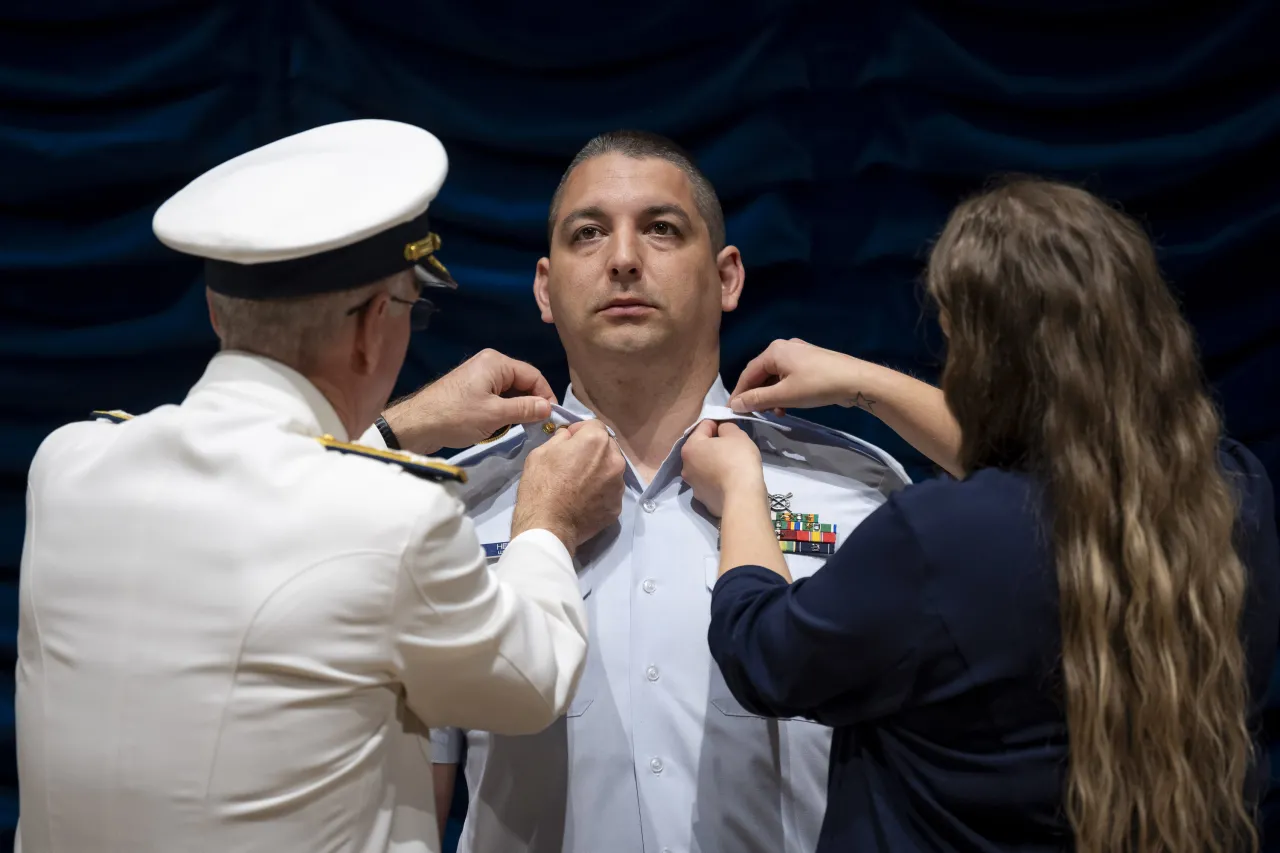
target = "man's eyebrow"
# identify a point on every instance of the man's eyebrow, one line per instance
(656, 210)
(653, 211)
(581, 213)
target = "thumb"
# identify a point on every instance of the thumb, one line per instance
(758, 399)
(705, 429)
(729, 429)
(521, 410)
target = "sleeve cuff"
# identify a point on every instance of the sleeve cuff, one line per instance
(372, 438)
(446, 746)
(547, 542)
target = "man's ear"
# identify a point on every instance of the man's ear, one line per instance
(371, 329)
(732, 277)
(541, 289)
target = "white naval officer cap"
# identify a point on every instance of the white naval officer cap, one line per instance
(329, 209)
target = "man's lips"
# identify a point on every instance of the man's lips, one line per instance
(626, 308)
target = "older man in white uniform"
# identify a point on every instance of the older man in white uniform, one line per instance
(655, 755)
(236, 626)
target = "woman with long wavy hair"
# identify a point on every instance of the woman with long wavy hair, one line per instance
(1066, 646)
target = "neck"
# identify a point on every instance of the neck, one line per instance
(343, 404)
(648, 409)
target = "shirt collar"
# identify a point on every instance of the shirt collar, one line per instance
(275, 386)
(714, 405)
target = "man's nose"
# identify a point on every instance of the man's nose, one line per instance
(624, 264)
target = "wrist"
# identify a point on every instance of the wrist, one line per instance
(389, 437)
(868, 387)
(412, 430)
(563, 532)
(746, 491)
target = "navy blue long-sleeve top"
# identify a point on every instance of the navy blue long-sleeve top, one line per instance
(930, 642)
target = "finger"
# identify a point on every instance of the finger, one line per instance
(728, 429)
(695, 439)
(588, 426)
(523, 377)
(705, 429)
(759, 371)
(520, 410)
(761, 399)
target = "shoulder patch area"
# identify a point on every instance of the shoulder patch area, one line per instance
(815, 434)
(115, 416)
(437, 472)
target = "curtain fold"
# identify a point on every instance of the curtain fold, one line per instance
(838, 135)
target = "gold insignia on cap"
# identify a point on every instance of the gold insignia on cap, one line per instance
(113, 415)
(432, 260)
(423, 248)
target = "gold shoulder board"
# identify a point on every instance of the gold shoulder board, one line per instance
(115, 416)
(436, 472)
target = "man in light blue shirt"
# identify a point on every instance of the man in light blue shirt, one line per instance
(655, 755)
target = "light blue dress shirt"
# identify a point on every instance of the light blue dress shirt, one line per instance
(655, 755)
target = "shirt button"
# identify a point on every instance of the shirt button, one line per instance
(649, 586)
(649, 505)
(656, 765)
(652, 672)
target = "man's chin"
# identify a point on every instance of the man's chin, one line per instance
(630, 341)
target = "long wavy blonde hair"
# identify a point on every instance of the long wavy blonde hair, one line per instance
(1068, 358)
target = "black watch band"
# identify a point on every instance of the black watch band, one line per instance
(388, 436)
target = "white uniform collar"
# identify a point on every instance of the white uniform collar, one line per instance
(277, 387)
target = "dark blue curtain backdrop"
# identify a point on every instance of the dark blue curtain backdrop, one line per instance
(839, 135)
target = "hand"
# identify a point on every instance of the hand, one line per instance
(470, 403)
(796, 374)
(571, 485)
(719, 460)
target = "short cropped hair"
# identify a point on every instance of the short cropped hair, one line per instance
(295, 331)
(642, 145)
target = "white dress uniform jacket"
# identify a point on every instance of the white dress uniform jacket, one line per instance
(233, 639)
(655, 755)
